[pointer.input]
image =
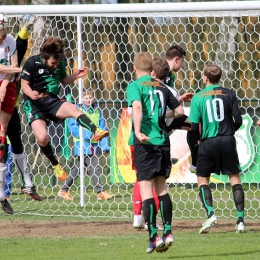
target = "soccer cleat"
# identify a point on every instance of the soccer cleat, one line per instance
(158, 227)
(31, 192)
(6, 207)
(138, 224)
(192, 168)
(65, 195)
(59, 172)
(100, 134)
(157, 244)
(208, 224)
(168, 241)
(240, 228)
(104, 195)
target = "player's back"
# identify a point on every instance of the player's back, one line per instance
(153, 95)
(217, 106)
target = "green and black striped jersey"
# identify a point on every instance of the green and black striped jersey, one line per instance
(155, 97)
(215, 107)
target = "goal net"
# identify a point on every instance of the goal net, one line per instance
(105, 38)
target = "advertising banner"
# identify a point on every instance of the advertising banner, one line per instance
(247, 138)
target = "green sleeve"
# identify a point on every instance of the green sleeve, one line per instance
(132, 94)
(62, 67)
(195, 115)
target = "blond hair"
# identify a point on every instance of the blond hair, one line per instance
(143, 61)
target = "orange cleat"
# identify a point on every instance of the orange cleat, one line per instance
(100, 134)
(59, 172)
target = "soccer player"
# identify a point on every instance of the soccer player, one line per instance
(175, 56)
(138, 218)
(149, 99)
(41, 78)
(8, 57)
(14, 126)
(217, 110)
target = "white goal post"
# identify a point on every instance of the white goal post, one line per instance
(105, 38)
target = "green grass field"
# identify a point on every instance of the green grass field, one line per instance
(219, 244)
(188, 245)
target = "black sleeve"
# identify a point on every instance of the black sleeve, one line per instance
(237, 121)
(21, 47)
(195, 130)
(236, 113)
(28, 70)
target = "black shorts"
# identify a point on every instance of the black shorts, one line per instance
(152, 161)
(218, 155)
(178, 123)
(14, 132)
(45, 108)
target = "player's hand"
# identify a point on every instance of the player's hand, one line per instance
(34, 95)
(3, 91)
(142, 137)
(82, 72)
(186, 97)
(258, 122)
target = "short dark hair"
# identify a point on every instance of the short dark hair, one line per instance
(175, 51)
(52, 46)
(161, 68)
(213, 73)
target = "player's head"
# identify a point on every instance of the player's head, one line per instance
(52, 52)
(161, 68)
(3, 27)
(211, 74)
(143, 62)
(175, 57)
(88, 97)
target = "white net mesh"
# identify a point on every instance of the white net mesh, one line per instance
(109, 42)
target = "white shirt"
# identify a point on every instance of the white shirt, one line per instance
(7, 50)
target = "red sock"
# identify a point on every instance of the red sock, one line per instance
(137, 199)
(3, 145)
(156, 199)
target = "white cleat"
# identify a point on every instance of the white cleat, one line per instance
(138, 224)
(208, 224)
(240, 228)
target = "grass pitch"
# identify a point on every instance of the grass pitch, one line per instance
(187, 246)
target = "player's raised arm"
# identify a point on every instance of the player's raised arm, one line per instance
(9, 69)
